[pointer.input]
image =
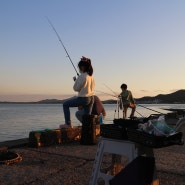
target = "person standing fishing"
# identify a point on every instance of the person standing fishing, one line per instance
(127, 101)
(84, 85)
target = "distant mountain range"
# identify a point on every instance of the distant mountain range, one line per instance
(176, 97)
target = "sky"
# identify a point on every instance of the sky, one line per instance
(137, 42)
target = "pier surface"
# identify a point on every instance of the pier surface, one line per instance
(72, 163)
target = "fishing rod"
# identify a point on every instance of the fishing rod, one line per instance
(107, 94)
(150, 109)
(136, 104)
(110, 89)
(139, 114)
(117, 101)
(62, 44)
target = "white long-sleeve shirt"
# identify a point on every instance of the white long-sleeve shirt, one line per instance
(84, 85)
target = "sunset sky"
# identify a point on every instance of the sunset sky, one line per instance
(137, 42)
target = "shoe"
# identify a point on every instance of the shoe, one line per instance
(65, 126)
(132, 116)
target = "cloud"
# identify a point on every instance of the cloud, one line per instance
(145, 91)
(158, 90)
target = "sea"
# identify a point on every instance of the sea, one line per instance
(18, 120)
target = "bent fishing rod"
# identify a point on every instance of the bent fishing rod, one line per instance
(62, 44)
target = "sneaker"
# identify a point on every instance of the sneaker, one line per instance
(65, 126)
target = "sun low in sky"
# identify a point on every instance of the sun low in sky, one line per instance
(140, 43)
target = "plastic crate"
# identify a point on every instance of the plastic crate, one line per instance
(153, 141)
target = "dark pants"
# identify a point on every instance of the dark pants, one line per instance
(86, 102)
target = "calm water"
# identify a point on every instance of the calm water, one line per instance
(17, 120)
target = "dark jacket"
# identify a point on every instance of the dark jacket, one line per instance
(98, 107)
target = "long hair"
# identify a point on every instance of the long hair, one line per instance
(86, 63)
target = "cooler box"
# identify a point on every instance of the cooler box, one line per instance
(70, 134)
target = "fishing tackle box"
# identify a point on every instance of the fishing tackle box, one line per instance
(118, 130)
(153, 141)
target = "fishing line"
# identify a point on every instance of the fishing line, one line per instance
(62, 44)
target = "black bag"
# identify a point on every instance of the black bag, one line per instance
(88, 132)
(139, 172)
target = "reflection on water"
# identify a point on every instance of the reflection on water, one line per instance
(17, 120)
